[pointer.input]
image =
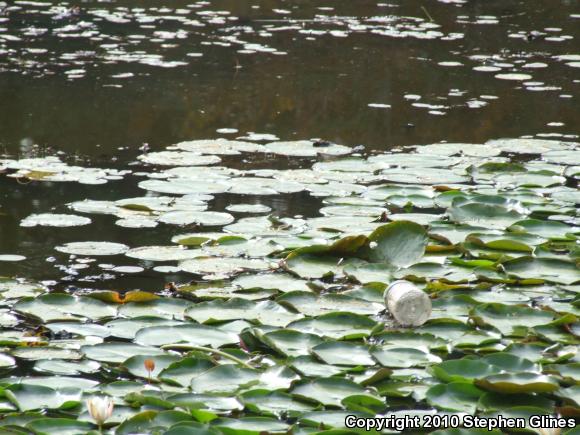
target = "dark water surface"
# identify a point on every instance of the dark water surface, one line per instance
(99, 82)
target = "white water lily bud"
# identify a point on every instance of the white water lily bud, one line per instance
(407, 304)
(100, 408)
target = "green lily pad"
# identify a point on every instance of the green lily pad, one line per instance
(118, 352)
(343, 353)
(291, 343)
(224, 379)
(336, 325)
(509, 319)
(183, 371)
(549, 229)
(274, 403)
(197, 335)
(400, 243)
(250, 426)
(463, 370)
(402, 357)
(58, 306)
(93, 248)
(136, 364)
(310, 304)
(455, 396)
(548, 269)
(265, 312)
(328, 391)
(518, 383)
(60, 426)
(31, 397)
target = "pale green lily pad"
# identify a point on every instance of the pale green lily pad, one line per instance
(310, 304)
(163, 253)
(136, 364)
(328, 391)
(274, 403)
(183, 371)
(59, 426)
(202, 218)
(46, 353)
(224, 379)
(548, 229)
(83, 329)
(265, 312)
(93, 248)
(190, 334)
(12, 258)
(177, 158)
(313, 266)
(164, 308)
(548, 269)
(308, 366)
(277, 281)
(264, 186)
(58, 306)
(305, 148)
(343, 353)
(463, 370)
(489, 211)
(400, 244)
(526, 146)
(31, 397)
(403, 357)
(248, 208)
(219, 146)
(68, 368)
(222, 266)
(467, 149)
(290, 343)
(455, 396)
(54, 220)
(118, 352)
(10, 289)
(517, 383)
(250, 425)
(185, 187)
(336, 325)
(509, 319)
(127, 328)
(330, 419)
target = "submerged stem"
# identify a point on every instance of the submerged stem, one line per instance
(208, 349)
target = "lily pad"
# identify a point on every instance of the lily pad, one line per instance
(93, 248)
(399, 243)
(54, 220)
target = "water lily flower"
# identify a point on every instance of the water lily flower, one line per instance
(100, 409)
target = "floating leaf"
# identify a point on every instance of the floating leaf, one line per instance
(455, 396)
(518, 383)
(54, 220)
(93, 248)
(399, 243)
(118, 352)
(328, 391)
(390, 356)
(196, 335)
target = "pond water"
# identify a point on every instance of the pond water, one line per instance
(98, 82)
(308, 107)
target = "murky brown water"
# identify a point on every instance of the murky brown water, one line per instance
(100, 82)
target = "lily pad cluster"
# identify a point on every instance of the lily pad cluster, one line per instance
(54, 169)
(279, 323)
